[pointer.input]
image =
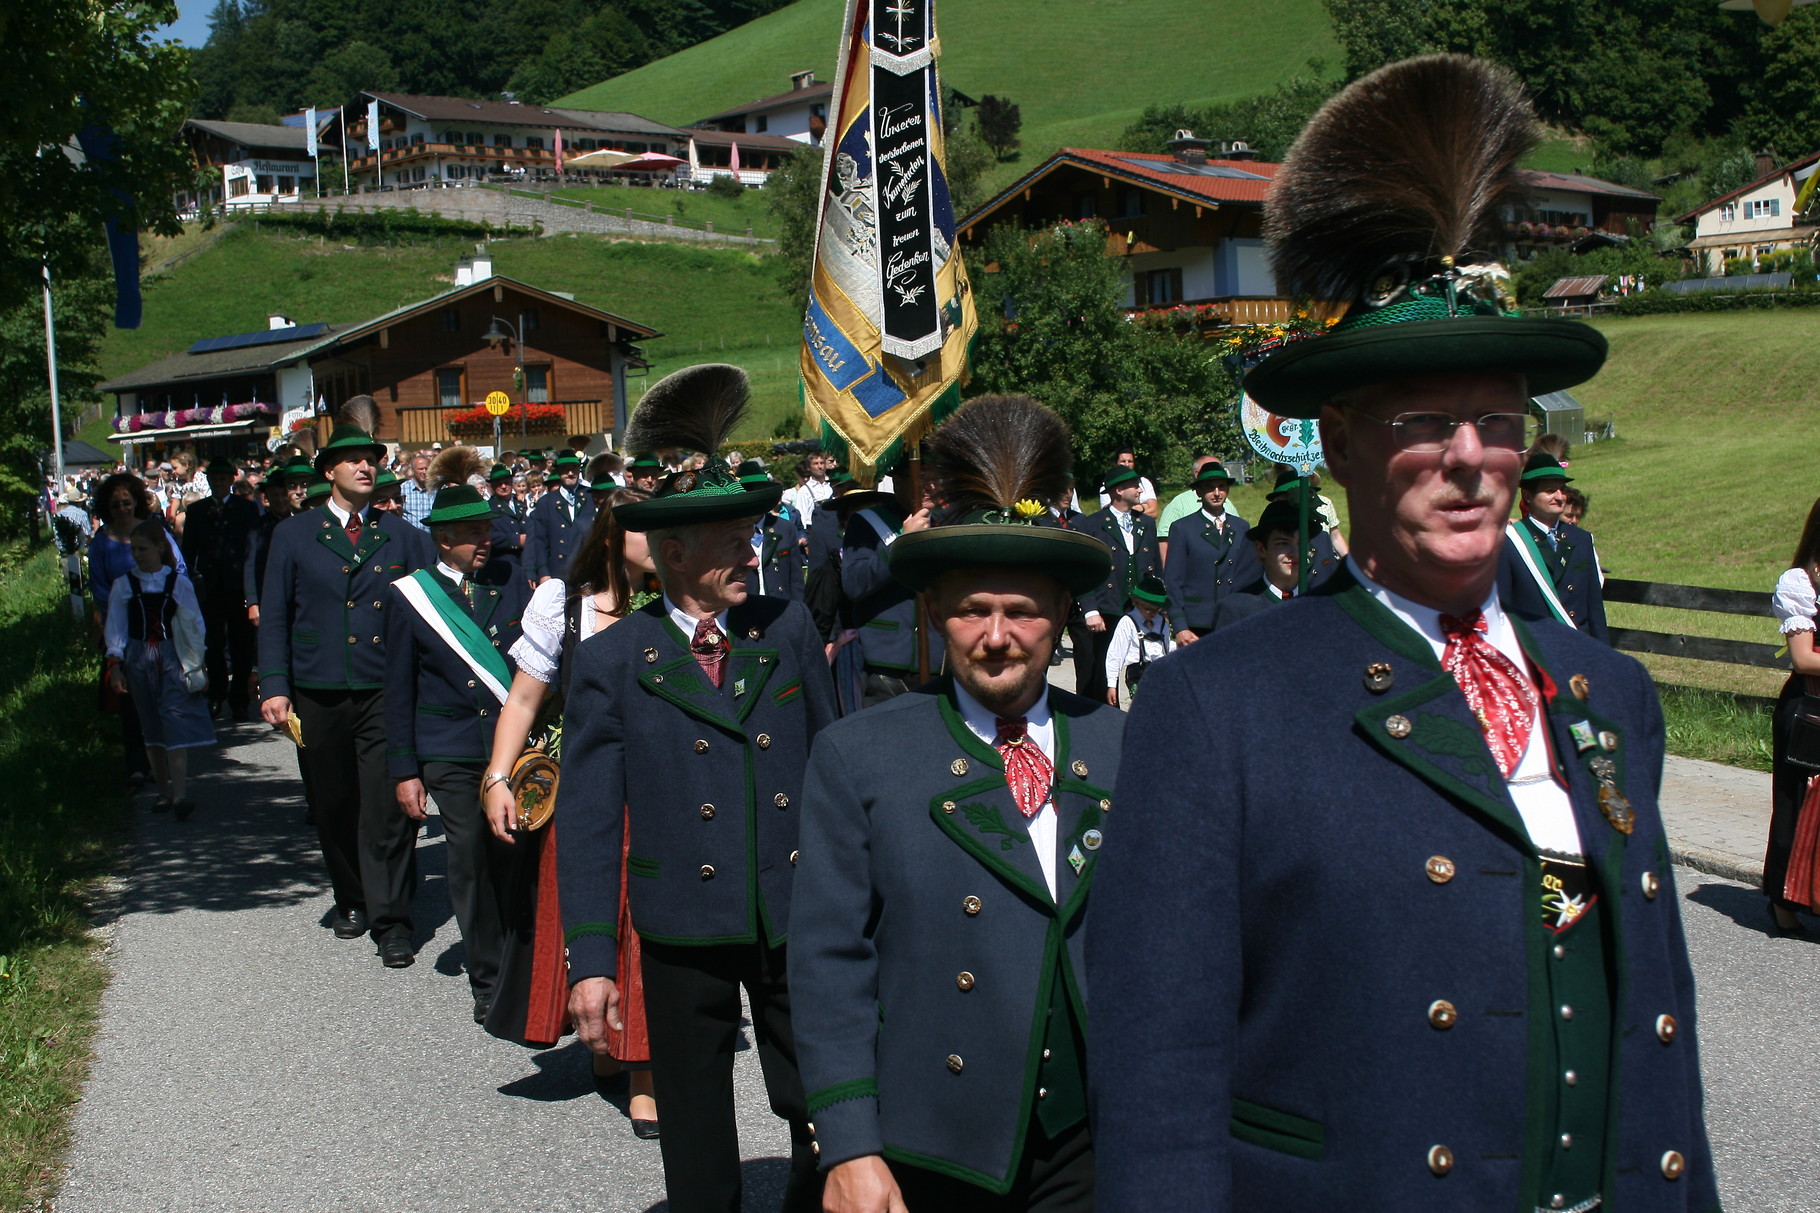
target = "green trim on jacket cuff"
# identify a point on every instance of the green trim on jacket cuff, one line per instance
(853, 1088)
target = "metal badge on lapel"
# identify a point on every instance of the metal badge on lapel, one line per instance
(1076, 860)
(739, 687)
(1584, 739)
(1379, 677)
(1092, 839)
(650, 654)
(1397, 726)
(753, 633)
(1608, 741)
(1579, 686)
(1616, 807)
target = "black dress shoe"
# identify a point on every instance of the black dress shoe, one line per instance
(396, 953)
(350, 924)
(183, 808)
(645, 1130)
(483, 1003)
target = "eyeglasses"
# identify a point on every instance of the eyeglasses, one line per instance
(1429, 433)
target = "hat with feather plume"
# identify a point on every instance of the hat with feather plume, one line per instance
(694, 409)
(1389, 209)
(356, 422)
(1000, 463)
(459, 477)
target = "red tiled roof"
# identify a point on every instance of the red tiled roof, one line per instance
(1229, 180)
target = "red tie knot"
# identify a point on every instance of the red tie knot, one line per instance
(708, 638)
(1458, 627)
(1011, 732)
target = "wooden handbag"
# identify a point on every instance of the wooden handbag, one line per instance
(535, 778)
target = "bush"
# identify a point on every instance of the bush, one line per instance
(389, 226)
(725, 185)
(1661, 303)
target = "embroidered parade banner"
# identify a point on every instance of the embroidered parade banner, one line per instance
(890, 313)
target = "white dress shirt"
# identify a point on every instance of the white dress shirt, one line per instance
(1543, 804)
(341, 515)
(1039, 727)
(686, 622)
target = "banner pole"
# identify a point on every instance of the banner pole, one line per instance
(920, 629)
(1302, 544)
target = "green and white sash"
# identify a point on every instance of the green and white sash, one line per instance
(432, 603)
(1531, 555)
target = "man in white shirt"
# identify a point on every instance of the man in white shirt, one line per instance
(814, 489)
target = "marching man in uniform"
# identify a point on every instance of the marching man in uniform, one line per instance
(447, 673)
(949, 843)
(1550, 568)
(1210, 557)
(1434, 959)
(322, 654)
(558, 522)
(719, 693)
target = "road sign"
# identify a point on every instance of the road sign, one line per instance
(498, 403)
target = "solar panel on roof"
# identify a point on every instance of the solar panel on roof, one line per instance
(237, 341)
(1194, 170)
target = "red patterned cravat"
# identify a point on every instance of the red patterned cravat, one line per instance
(353, 528)
(710, 649)
(1027, 769)
(1501, 698)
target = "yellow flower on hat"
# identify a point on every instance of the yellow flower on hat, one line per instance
(1027, 508)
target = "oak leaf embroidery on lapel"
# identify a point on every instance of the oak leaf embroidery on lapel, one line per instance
(987, 819)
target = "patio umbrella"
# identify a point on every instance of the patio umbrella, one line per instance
(605, 158)
(650, 162)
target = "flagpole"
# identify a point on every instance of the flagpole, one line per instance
(341, 120)
(50, 357)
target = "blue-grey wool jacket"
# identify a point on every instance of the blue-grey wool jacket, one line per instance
(554, 531)
(1128, 568)
(1205, 566)
(436, 710)
(323, 603)
(1306, 878)
(1574, 569)
(884, 609)
(780, 561)
(710, 782)
(917, 867)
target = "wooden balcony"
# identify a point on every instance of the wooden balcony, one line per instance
(422, 425)
(1209, 316)
(524, 157)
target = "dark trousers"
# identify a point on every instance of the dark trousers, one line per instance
(1788, 787)
(1080, 643)
(1054, 1176)
(692, 1006)
(478, 872)
(228, 640)
(368, 844)
(1091, 682)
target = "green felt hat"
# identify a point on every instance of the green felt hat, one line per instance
(347, 441)
(850, 495)
(1288, 481)
(1150, 588)
(693, 409)
(385, 479)
(223, 466)
(1425, 336)
(1543, 466)
(458, 503)
(1118, 474)
(499, 471)
(297, 469)
(318, 489)
(1281, 514)
(1390, 205)
(1213, 472)
(1001, 459)
(567, 459)
(645, 461)
(606, 484)
(755, 480)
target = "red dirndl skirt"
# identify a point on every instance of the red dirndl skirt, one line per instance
(1803, 882)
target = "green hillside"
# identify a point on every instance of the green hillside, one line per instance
(711, 304)
(1080, 72)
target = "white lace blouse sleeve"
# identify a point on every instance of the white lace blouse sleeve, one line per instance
(539, 651)
(1794, 602)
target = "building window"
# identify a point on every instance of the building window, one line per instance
(1764, 208)
(237, 188)
(448, 387)
(1765, 250)
(451, 320)
(1131, 203)
(476, 139)
(1728, 212)
(761, 123)
(1086, 206)
(287, 185)
(535, 141)
(1158, 287)
(529, 317)
(537, 384)
(417, 139)
(502, 141)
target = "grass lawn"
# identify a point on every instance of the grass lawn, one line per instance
(62, 816)
(1079, 76)
(732, 215)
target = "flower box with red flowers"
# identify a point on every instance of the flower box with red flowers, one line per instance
(532, 418)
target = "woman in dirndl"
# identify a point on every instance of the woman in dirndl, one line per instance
(607, 579)
(1794, 602)
(147, 608)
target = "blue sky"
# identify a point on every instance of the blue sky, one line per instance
(192, 24)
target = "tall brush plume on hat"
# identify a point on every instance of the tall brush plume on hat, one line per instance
(356, 421)
(694, 409)
(1388, 211)
(1000, 462)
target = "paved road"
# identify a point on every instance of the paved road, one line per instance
(248, 1061)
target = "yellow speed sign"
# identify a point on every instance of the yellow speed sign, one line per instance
(498, 403)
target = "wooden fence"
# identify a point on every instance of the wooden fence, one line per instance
(1695, 598)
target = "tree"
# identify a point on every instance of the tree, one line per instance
(1053, 325)
(793, 194)
(1783, 111)
(348, 71)
(999, 122)
(86, 65)
(1269, 122)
